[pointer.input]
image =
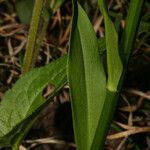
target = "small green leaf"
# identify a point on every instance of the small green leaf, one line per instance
(114, 64)
(24, 10)
(25, 98)
(86, 79)
(55, 4)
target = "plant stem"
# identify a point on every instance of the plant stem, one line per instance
(129, 34)
(131, 28)
(105, 120)
(127, 43)
(38, 26)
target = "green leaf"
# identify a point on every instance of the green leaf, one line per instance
(131, 28)
(105, 120)
(21, 102)
(114, 65)
(111, 96)
(86, 79)
(24, 10)
(55, 4)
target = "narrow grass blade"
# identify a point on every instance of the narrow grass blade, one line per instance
(86, 79)
(114, 64)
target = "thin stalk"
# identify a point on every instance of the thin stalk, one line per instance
(37, 30)
(131, 28)
(105, 120)
(129, 33)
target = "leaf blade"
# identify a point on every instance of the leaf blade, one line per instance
(114, 64)
(26, 97)
(84, 70)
